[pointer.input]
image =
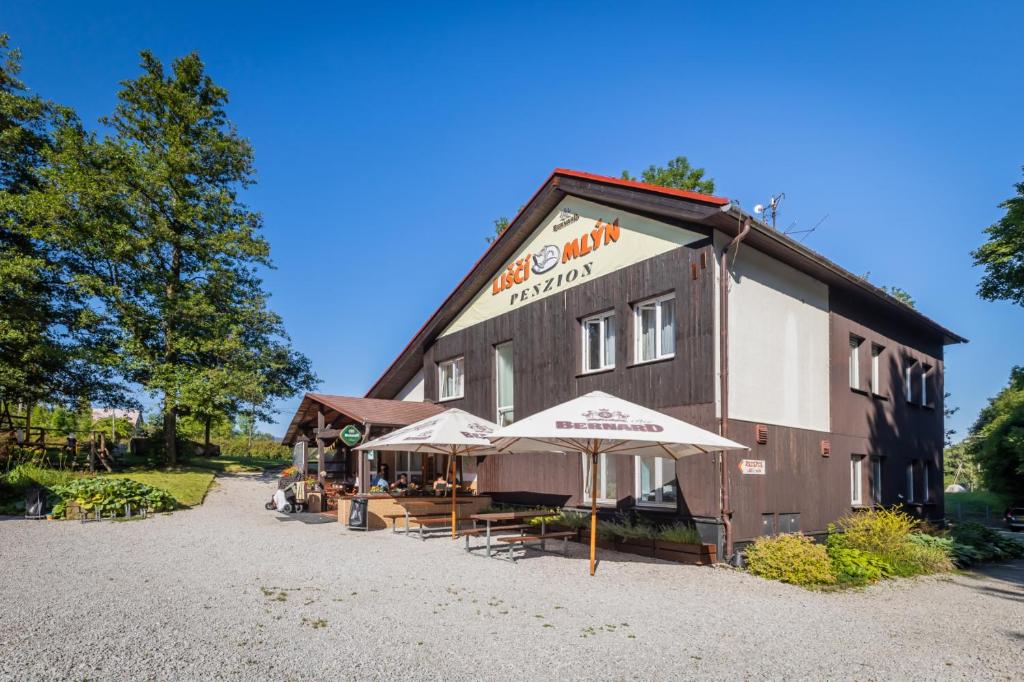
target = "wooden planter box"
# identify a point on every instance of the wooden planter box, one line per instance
(601, 543)
(635, 546)
(697, 555)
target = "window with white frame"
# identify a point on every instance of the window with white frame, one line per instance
(450, 379)
(410, 464)
(876, 480)
(910, 481)
(856, 479)
(655, 481)
(607, 490)
(876, 368)
(655, 325)
(908, 380)
(599, 342)
(503, 382)
(855, 344)
(926, 372)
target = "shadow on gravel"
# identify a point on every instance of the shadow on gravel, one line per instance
(1004, 581)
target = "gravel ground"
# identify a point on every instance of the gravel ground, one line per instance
(230, 591)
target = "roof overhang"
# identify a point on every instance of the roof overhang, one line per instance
(675, 206)
(339, 410)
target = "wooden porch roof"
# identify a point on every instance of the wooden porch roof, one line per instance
(376, 411)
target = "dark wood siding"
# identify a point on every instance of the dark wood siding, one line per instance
(547, 349)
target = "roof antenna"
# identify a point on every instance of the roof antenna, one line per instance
(772, 207)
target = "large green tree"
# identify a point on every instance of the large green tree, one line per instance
(156, 208)
(54, 346)
(678, 174)
(996, 440)
(1002, 255)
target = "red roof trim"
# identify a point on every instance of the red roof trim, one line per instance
(633, 184)
(682, 193)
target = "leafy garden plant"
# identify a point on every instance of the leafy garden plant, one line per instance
(791, 558)
(109, 495)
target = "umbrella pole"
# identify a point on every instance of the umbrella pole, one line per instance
(455, 488)
(593, 510)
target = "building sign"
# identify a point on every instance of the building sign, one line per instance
(350, 435)
(578, 241)
(752, 466)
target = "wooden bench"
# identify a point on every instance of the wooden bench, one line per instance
(513, 540)
(414, 516)
(472, 532)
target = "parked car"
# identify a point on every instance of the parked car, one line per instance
(1014, 518)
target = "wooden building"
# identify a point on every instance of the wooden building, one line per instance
(684, 303)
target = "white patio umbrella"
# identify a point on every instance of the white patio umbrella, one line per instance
(454, 432)
(599, 423)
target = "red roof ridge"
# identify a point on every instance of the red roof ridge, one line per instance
(635, 184)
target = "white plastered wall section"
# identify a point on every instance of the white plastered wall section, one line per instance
(412, 390)
(778, 343)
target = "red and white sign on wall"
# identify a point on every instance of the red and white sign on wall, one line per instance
(752, 466)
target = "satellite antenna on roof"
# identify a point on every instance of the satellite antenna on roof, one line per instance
(772, 207)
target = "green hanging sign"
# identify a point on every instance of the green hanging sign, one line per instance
(350, 435)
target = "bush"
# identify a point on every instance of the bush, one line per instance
(923, 554)
(854, 566)
(681, 533)
(974, 542)
(881, 532)
(793, 559)
(110, 495)
(27, 475)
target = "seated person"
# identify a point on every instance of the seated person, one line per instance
(381, 478)
(402, 483)
(440, 483)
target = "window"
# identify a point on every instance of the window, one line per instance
(855, 343)
(655, 481)
(451, 379)
(607, 491)
(599, 342)
(908, 380)
(503, 382)
(926, 371)
(410, 464)
(925, 466)
(655, 327)
(876, 368)
(876, 480)
(856, 479)
(910, 481)
(789, 523)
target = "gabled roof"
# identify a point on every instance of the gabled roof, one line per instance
(666, 203)
(364, 411)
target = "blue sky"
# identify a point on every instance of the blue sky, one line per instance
(387, 140)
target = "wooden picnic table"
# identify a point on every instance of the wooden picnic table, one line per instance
(503, 516)
(407, 502)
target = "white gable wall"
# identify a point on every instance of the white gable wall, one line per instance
(778, 343)
(412, 390)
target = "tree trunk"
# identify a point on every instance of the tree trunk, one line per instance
(170, 429)
(206, 436)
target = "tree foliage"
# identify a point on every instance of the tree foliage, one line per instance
(1002, 255)
(996, 440)
(154, 207)
(53, 344)
(678, 174)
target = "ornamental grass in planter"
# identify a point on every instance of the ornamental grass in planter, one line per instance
(682, 543)
(635, 538)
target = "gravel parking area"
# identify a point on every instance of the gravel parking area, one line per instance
(231, 591)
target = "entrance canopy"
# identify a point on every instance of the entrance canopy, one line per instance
(338, 410)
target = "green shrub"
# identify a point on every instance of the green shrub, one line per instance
(854, 566)
(923, 554)
(978, 543)
(881, 532)
(571, 519)
(110, 495)
(793, 559)
(681, 533)
(27, 475)
(635, 531)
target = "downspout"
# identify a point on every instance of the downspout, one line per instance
(723, 340)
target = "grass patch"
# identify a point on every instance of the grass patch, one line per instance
(976, 501)
(228, 464)
(187, 486)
